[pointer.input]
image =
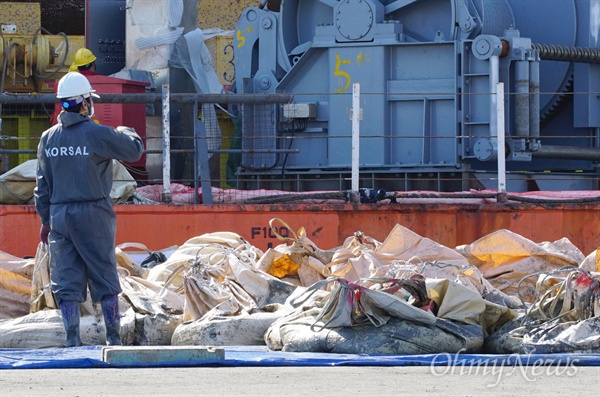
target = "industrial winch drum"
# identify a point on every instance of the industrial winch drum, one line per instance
(431, 20)
(428, 70)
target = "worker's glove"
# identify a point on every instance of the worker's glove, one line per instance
(122, 128)
(44, 232)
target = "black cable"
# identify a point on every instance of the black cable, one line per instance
(374, 196)
(301, 127)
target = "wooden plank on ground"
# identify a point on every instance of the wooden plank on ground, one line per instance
(130, 355)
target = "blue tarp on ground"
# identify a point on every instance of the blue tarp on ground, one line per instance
(237, 356)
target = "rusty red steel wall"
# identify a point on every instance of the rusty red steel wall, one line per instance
(161, 226)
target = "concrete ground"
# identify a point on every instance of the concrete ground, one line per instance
(303, 381)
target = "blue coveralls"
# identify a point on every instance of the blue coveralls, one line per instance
(74, 180)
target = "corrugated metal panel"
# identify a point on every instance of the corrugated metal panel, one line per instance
(326, 225)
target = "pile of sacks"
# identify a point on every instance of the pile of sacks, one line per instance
(405, 295)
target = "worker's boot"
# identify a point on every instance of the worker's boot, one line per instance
(70, 315)
(110, 310)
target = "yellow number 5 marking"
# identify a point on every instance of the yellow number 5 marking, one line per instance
(341, 73)
(240, 36)
(241, 39)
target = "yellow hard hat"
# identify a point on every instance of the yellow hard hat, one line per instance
(83, 56)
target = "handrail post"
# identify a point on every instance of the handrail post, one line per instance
(166, 145)
(202, 169)
(501, 143)
(356, 117)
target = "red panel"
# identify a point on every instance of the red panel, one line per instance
(117, 114)
(160, 226)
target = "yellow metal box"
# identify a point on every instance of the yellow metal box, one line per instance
(222, 14)
(20, 18)
(221, 53)
(23, 133)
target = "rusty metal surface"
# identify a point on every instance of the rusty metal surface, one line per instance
(160, 226)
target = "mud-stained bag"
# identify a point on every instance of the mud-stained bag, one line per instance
(397, 336)
(300, 262)
(505, 258)
(592, 262)
(354, 319)
(232, 283)
(466, 275)
(349, 304)
(153, 330)
(245, 329)
(153, 311)
(205, 289)
(301, 240)
(149, 298)
(210, 247)
(227, 239)
(41, 292)
(45, 329)
(354, 260)
(15, 285)
(17, 184)
(564, 318)
(125, 261)
(339, 308)
(363, 257)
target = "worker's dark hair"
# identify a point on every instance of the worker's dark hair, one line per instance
(73, 109)
(86, 67)
(76, 108)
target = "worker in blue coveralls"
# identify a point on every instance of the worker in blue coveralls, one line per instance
(72, 198)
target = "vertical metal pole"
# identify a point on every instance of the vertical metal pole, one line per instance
(166, 145)
(355, 137)
(201, 167)
(501, 144)
(197, 171)
(4, 157)
(494, 80)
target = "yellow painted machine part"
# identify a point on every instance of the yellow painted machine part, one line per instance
(221, 52)
(26, 132)
(48, 59)
(25, 17)
(222, 14)
(58, 43)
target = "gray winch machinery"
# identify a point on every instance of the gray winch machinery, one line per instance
(427, 70)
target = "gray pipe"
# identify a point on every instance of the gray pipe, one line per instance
(494, 79)
(534, 99)
(157, 98)
(522, 99)
(568, 152)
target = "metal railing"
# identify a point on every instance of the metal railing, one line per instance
(201, 156)
(198, 136)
